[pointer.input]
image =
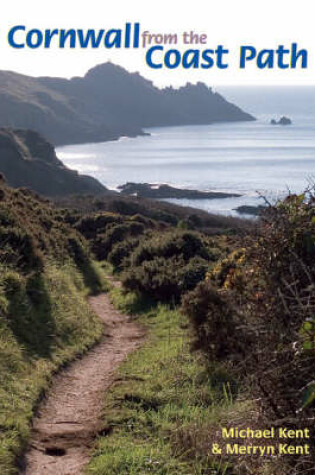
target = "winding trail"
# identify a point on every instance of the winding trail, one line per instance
(69, 419)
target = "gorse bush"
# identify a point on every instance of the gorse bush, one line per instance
(104, 243)
(89, 226)
(156, 259)
(19, 248)
(215, 323)
(105, 230)
(167, 264)
(165, 280)
(130, 208)
(30, 228)
(260, 303)
(122, 251)
(169, 244)
(284, 303)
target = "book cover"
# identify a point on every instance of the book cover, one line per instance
(157, 240)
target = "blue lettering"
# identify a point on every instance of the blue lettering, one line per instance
(281, 51)
(208, 60)
(296, 55)
(265, 59)
(136, 38)
(220, 51)
(90, 37)
(193, 61)
(148, 57)
(48, 37)
(64, 35)
(248, 53)
(172, 58)
(116, 41)
(34, 38)
(11, 39)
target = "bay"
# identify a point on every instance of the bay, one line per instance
(243, 157)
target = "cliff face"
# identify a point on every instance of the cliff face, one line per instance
(106, 103)
(28, 160)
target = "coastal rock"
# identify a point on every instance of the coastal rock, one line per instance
(282, 121)
(148, 190)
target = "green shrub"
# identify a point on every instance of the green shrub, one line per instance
(143, 219)
(130, 208)
(214, 323)
(165, 280)
(89, 225)
(121, 251)
(262, 316)
(19, 248)
(104, 243)
(11, 281)
(175, 243)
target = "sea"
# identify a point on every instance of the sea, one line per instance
(256, 160)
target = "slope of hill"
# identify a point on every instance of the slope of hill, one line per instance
(28, 160)
(106, 103)
(46, 271)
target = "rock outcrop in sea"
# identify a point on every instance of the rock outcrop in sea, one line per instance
(282, 121)
(149, 190)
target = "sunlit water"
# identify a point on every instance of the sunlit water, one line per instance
(245, 158)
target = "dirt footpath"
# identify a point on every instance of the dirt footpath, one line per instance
(69, 418)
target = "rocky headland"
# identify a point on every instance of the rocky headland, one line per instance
(28, 160)
(105, 104)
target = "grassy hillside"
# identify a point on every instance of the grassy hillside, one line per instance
(46, 272)
(230, 319)
(166, 214)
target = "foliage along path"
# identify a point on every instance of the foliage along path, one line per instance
(68, 419)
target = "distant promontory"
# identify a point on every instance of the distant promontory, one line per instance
(105, 104)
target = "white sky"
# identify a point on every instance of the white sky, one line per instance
(264, 24)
